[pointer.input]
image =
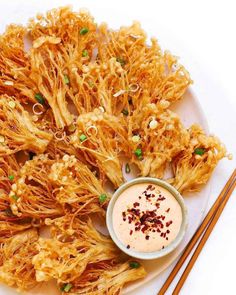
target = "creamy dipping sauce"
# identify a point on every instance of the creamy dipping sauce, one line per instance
(146, 217)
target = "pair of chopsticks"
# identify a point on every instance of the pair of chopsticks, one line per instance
(207, 225)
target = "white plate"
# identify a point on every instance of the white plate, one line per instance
(190, 112)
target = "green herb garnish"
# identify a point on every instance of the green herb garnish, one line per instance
(125, 112)
(15, 197)
(11, 177)
(102, 198)
(82, 137)
(85, 53)
(121, 61)
(134, 264)
(199, 151)
(39, 98)
(66, 79)
(127, 168)
(138, 153)
(66, 288)
(83, 31)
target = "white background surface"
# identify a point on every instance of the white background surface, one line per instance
(203, 34)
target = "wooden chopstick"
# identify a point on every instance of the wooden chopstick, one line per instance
(203, 240)
(197, 235)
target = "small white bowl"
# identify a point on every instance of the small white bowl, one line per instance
(173, 244)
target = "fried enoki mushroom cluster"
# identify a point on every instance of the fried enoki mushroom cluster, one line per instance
(76, 99)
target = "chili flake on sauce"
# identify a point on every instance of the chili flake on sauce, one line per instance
(146, 217)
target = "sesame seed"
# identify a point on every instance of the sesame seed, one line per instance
(153, 124)
(136, 138)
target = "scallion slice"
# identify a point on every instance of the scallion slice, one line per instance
(102, 198)
(39, 98)
(82, 137)
(134, 264)
(199, 151)
(83, 31)
(66, 288)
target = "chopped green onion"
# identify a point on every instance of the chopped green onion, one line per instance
(102, 198)
(134, 264)
(11, 177)
(127, 168)
(66, 288)
(85, 53)
(138, 153)
(15, 197)
(82, 137)
(66, 79)
(125, 112)
(199, 151)
(121, 61)
(39, 98)
(83, 31)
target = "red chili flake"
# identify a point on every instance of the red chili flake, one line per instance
(167, 239)
(140, 197)
(168, 231)
(147, 237)
(169, 223)
(130, 219)
(136, 204)
(168, 210)
(157, 221)
(161, 198)
(144, 217)
(135, 211)
(145, 228)
(124, 219)
(146, 221)
(149, 187)
(152, 188)
(128, 246)
(162, 247)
